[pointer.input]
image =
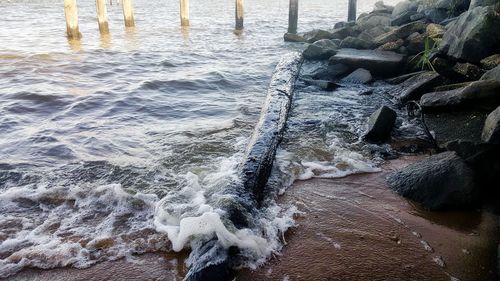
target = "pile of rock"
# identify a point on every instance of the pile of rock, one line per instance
(444, 56)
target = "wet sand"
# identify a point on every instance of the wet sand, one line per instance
(352, 228)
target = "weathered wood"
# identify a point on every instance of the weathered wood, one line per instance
(293, 16)
(241, 199)
(239, 14)
(102, 16)
(351, 12)
(184, 12)
(71, 14)
(128, 13)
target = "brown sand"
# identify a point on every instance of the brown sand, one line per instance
(352, 228)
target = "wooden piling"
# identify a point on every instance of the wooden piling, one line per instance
(293, 16)
(351, 12)
(184, 12)
(71, 14)
(102, 16)
(128, 13)
(239, 14)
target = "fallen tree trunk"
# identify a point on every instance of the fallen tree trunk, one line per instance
(210, 260)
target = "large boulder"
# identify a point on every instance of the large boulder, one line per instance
(359, 76)
(330, 72)
(436, 15)
(485, 93)
(392, 46)
(380, 63)
(403, 18)
(321, 49)
(468, 71)
(442, 181)
(380, 124)
(474, 36)
(316, 35)
(292, 37)
(453, 6)
(414, 87)
(491, 129)
(481, 3)
(493, 74)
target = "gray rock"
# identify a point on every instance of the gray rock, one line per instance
(416, 43)
(403, 18)
(359, 76)
(373, 20)
(484, 92)
(392, 46)
(345, 31)
(442, 181)
(355, 43)
(321, 49)
(371, 33)
(474, 36)
(414, 87)
(491, 61)
(322, 84)
(380, 63)
(292, 37)
(443, 125)
(402, 7)
(435, 30)
(331, 72)
(380, 124)
(401, 32)
(453, 5)
(436, 15)
(491, 129)
(481, 3)
(316, 35)
(401, 78)
(493, 74)
(447, 22)
(417, 16)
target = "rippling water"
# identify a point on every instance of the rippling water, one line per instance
(94, 133)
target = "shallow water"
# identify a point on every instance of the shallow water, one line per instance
(95, 133)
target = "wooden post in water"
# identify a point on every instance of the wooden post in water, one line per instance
(184, 12)
(102, 16)
(239, 14)
(293, 16)
(128, 13)
(71, 14)
(351, 12)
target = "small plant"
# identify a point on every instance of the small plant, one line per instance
(424, 57)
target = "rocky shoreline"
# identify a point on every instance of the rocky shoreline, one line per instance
(444, 59)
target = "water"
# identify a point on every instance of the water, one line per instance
(100, 136)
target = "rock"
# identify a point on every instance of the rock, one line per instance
(447, 22)
(443, 125)
(474, 36)
(451, 86)
(402, 7)
(435, 30)
(292, 37)
(380, 124)
(317, 34)
(321, 49)
(373, 20)
(484, 92)
(371, 33)
(491, 129)
(322, 84)
(468, 71)
(436, 15)
(330, 72)
(392, 46)
(355, 43)
(493, 74)
(400, 32)
(339, 24)
(453, 6)
(481, 3)
(416, 43)
(401, 78)
(417, 16)
(381, 7)
(442, 181)
(403, 18)
(359, 76)
(380, 63)
(344, 32)
(491, 61)
(414, 87)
